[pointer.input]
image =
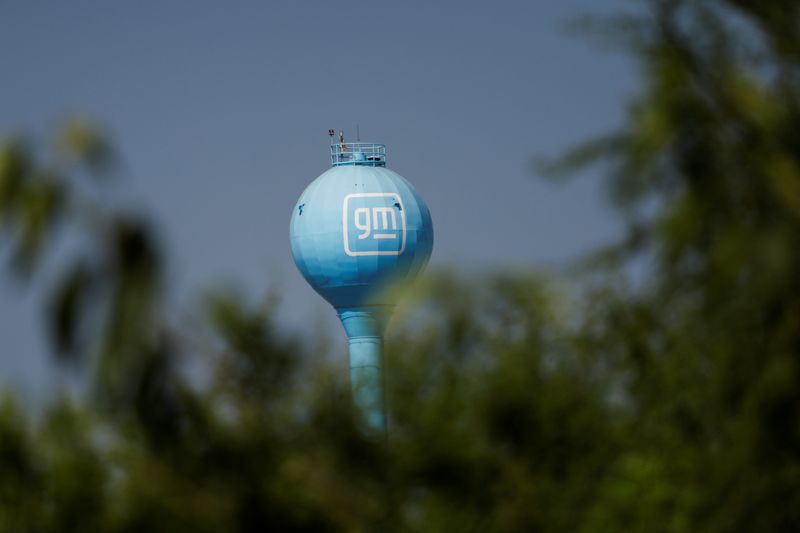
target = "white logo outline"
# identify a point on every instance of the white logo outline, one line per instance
(384, 212)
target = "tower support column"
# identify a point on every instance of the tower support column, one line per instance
(364, 327)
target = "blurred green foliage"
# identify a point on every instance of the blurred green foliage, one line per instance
(516, 404)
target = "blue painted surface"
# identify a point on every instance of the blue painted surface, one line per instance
(364, 327)
(356, 229)
(351, 276)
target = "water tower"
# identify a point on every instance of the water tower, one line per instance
(357, 229)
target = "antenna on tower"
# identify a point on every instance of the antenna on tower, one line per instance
(358, 134)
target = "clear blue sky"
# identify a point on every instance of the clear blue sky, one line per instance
(220, 111)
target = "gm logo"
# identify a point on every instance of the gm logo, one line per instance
(374, 223)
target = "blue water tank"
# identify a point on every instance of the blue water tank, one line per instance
(356, 229)
(359, 226)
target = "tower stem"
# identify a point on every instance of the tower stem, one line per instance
(364, 327)
(366, 380)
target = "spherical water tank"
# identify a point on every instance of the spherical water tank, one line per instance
(357, 227)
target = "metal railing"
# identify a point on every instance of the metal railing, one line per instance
(358, 153)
